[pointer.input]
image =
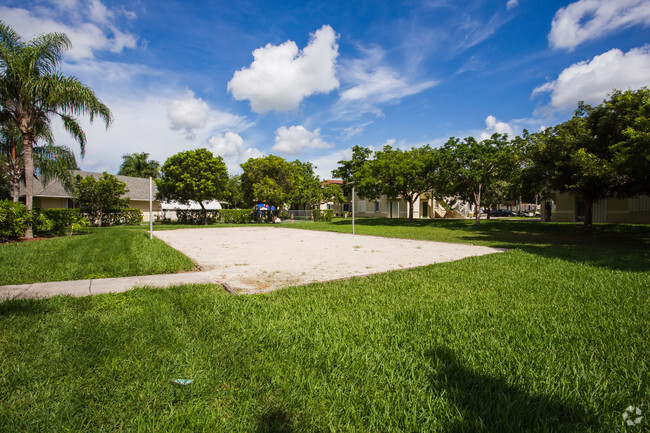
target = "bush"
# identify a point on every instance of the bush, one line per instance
(13, 219)
(188, 216)
(235, 216)
(61, 221)
(129, 217)
(323, 215)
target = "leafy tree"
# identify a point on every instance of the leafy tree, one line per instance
(307, 191)
(98, 197)
(270, 180)
(32, 90)
(195, 175)
(400, 173)
(139, 165)
(234, 194)
(620, 127)
(347, 171)
(332, 192)
(474, 168)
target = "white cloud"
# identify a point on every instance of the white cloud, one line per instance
(323, 165)
(591, 81)
(590, 19)
(93, 28)
(369, 82)
(226, 145)
(494, 126)
(512, 4)
(231, 147)
(292, 140)
(188, 114)
(281, 76)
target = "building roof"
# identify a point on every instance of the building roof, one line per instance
(138, 187)
(330, 181)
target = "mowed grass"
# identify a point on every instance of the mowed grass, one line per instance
(550, 336)
(101, 252)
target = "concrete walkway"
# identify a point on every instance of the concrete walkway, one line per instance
(103, 285)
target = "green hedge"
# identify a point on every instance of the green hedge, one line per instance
(129, 217)
(323, 215)
(13, 219)
(225, 216)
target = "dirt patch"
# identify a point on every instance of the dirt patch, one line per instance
(262, 259)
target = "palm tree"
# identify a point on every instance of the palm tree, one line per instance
(138, 165)
(50, 161)
(32, 90)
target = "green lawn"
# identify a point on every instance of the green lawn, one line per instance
(101, 252)
(551, 336)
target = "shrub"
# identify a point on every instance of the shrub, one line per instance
(61, 221)
(129, 217)
(193, 216)
(323, 215)
(236, 216)
(13, 219)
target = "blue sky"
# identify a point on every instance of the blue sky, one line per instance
(309, 80)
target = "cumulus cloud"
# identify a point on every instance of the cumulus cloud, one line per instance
(226, 145)
(591, 81)
(188, 114)
(292, 140)
(91, 26)
(494, 126)
(590, 19)
(281, 76)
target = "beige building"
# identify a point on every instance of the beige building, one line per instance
(54, 196)
(569, 207)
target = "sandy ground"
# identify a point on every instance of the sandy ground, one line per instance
(262, 259)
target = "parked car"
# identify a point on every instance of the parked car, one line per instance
(502, 213)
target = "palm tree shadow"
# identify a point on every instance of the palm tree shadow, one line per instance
(489, 404)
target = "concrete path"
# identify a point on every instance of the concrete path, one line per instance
(102, 285)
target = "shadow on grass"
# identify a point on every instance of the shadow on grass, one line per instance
(489, 404)
(614, 246)
(22, 307)
(274, 421)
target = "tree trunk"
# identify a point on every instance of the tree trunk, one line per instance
(204, 212)
(29, 180)
(477, 206)
(589, 204)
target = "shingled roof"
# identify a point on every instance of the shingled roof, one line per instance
(138, 187)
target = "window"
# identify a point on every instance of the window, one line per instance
(329, 205)
(346, 207)
(377, 207)
(362, 206)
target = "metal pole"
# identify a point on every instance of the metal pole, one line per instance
(150, 208)
(352, 209)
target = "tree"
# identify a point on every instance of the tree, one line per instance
(50, 161)
(195, 175)
(331, 192)
(234, 194)
(400, 173)
(98, 197)
(139, 165)
(32, 90)
(270, 180)
(307, 191)
(473, 168)
(347, 170)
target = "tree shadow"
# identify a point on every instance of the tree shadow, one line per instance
(489, 404)
(275, 420)
(613, 246)
(23, 307)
